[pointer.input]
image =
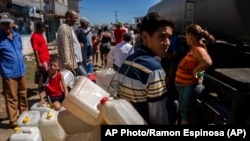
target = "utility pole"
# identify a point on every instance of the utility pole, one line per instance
(41, 10)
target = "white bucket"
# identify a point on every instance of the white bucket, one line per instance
(42, 109)
(120, 112)
(26, 134)
(50, 129)
(68, 77)
(29, 118)
(83, 99)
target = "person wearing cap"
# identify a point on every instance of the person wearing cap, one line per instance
(141, 77)
(118, 31)
(12, 70)
(84, 35)
(40, 48)
(69, 48)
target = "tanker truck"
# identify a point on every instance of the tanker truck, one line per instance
(225, 99)
(228, 20)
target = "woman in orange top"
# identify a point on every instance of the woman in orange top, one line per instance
(197, 60)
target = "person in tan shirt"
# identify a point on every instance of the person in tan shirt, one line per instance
(69, 48)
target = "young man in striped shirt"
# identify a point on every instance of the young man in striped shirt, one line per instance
(141, 76)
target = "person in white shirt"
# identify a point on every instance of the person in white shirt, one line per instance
(121, 51)
(131, 31)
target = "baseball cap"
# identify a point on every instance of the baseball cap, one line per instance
(84, 20)
(118, 23)
(5, 17)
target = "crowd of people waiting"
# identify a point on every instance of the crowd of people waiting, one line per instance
(152, 68)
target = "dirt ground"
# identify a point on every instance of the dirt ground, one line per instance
(33, 97)
(5, 130)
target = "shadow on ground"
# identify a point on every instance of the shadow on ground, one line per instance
(31, 92)
(32, 96)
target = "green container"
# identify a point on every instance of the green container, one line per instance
(201, 75)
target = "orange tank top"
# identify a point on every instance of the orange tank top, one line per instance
(184, 73)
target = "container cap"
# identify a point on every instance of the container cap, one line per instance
(48, 105)
(16, 129)
(26, 119)
(103, 100)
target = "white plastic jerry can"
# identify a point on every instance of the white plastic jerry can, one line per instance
(42, 109)
(83, 99)
(26, 134)
(50, 128)
(29, 118)
(119, 112)
(76, 129)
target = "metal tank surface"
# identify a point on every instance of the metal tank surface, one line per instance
(229, 22)
(226, 19)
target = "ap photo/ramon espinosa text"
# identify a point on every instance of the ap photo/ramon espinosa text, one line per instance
(114, 132)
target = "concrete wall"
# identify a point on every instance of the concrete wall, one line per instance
(27, 48)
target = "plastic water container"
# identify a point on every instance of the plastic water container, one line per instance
(86, 136)
(104, 77)
(89, 67)
(92, 77)
(76, 129)
(42, 109)
(68, 77)
(29, 118)
(50, 129)
(26, 134)
(119, 112)
(82, 70)
(83, 99)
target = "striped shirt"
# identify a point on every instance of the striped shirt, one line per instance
(141, 80)
(184, 73)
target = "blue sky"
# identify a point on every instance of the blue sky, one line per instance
(103, 11)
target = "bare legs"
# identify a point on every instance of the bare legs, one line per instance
(95, 59)
(104, 59)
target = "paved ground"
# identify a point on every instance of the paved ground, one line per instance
(5, 130)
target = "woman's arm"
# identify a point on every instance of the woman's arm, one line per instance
(204, 59)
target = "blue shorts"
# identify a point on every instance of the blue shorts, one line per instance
(187, 99)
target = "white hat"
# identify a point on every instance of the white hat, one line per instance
(5, 17)
(84, 20)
